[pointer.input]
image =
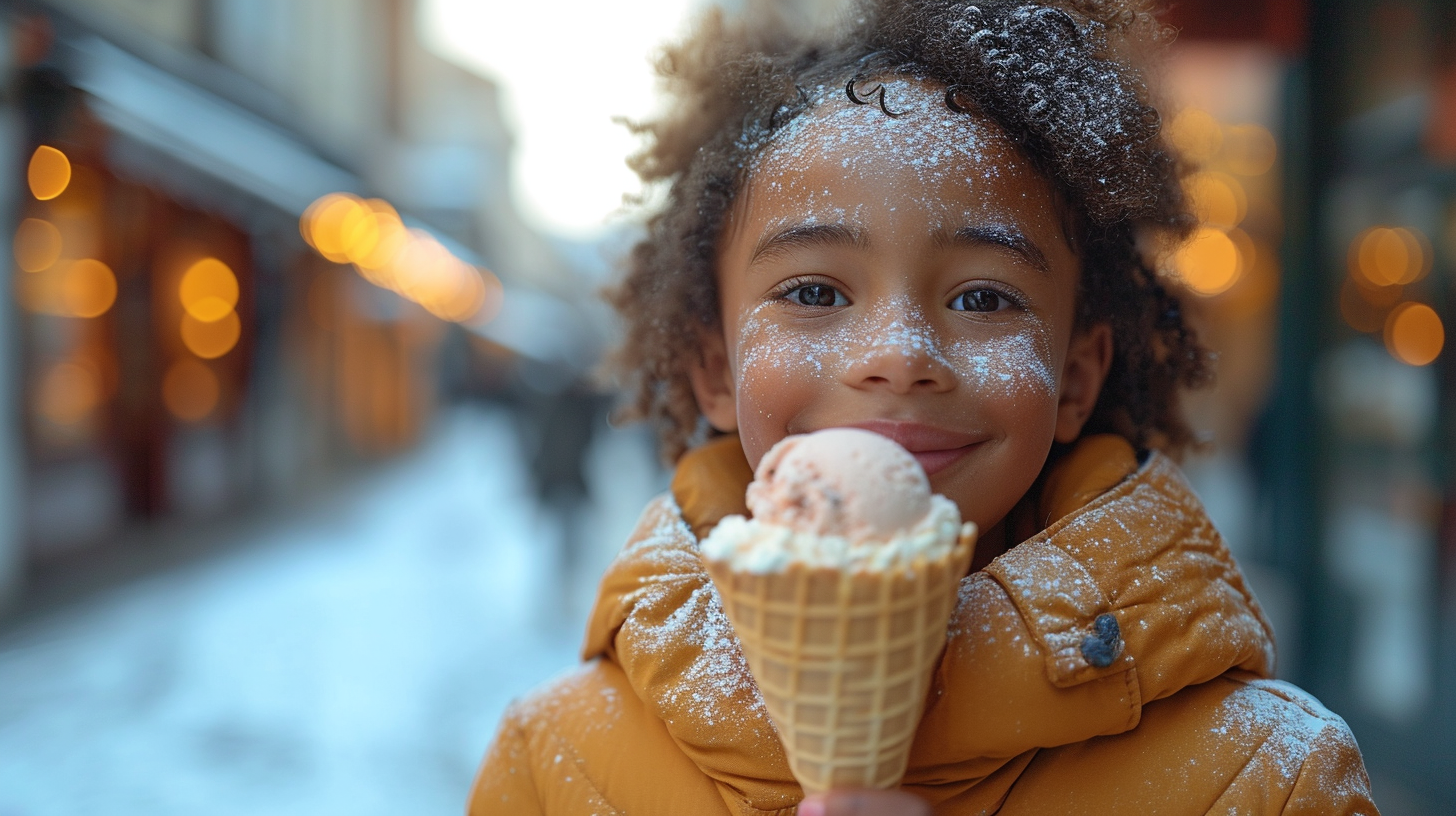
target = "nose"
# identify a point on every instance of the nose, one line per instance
(899, 356)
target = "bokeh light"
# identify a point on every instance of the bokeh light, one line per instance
(211, 339)
(408, 261)
(85, 288)
(461, 297)
(1257, 289)
(37, 245)
(1196, 134)
(373, 233)
(1249, 150)
(382, 242)
(88, 289)
(1248, 251)
(358, 233)
(423, 267)
(49, 172)
(190, 390)
(1218, 199)
(209, 290)
(1210, 263)
(307, 222)
(324, 224)
(1414, 334)
(345, 228)
(1386, 256)
(1364, 307)
(67, 393)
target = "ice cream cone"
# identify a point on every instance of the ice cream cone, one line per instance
(844, 658)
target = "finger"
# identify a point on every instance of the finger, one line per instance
(864, 803)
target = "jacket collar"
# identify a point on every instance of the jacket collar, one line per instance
(710, 483)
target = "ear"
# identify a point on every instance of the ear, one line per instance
(1088, 359)
(712, 382)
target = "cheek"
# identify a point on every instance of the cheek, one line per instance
(776, 356)
(1006, 381)
(1015, 370)
(777, 372)
(771, 356)
(1016, 398)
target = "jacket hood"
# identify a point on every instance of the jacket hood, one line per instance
(1127, 596)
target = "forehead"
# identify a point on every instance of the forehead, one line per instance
(960, 156)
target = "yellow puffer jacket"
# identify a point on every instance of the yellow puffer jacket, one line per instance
(1114, 662)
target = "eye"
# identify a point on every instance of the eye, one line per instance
(979, 300)
(816, 294)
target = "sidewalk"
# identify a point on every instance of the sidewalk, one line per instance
(353, 659)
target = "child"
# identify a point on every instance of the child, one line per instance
(935, 225)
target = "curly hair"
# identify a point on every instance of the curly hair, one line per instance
(1062, 78)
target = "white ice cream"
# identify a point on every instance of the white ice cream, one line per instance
(841, 498)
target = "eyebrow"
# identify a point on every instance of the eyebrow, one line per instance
(1004, 237)
(809, 235)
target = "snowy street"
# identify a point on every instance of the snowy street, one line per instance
(351, 656)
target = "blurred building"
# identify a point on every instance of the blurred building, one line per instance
(190, 337)
(1334, 421)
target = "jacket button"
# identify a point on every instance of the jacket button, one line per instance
(1105, 643)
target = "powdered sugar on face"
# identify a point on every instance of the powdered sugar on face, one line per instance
(923, 132)
(924, 136)
(1017, 362)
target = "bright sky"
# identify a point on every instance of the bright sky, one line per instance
(567, 67)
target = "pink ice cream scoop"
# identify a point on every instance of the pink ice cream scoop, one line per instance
(840, 481)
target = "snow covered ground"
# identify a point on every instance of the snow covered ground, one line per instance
(351, 657)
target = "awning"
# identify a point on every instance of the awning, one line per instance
(165, 115)
(205, 149)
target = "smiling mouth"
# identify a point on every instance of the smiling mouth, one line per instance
(935, 461)
(934, 448)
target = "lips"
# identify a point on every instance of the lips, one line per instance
(934, 448)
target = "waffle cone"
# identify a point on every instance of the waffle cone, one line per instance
(844, 659)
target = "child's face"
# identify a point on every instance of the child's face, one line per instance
(911, 276)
